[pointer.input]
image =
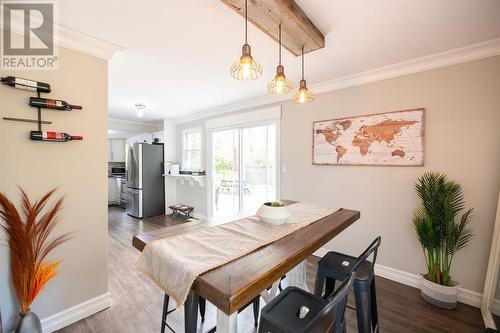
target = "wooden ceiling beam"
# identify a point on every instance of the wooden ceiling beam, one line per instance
(297, 29)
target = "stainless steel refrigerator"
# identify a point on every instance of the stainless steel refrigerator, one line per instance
(145, 183)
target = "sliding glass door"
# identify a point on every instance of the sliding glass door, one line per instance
(225, 181)
(244, 168)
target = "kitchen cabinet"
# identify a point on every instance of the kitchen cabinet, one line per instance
(110, 151)
(157, 135)
(116, 150)
(144, 137)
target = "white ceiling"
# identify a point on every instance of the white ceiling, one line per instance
(178, 52)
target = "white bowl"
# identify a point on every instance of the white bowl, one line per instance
(273, 215)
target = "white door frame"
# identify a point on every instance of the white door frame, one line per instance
(491, 280)
(244, 120)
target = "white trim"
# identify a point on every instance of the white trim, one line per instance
(409, 279)
(75, 40)
(271, 113)
(491, 280)
(209, 172)
(460, 55)
(465, 296)
(81, 42)
(76, 313)
(184, 133)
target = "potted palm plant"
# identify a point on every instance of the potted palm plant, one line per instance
(441, 235)
(28, 236)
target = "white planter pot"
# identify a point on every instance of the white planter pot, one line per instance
(273, 215)
(445, 297)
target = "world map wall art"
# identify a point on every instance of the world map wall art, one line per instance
(393, 138)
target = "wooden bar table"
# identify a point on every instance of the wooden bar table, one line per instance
(235, 284)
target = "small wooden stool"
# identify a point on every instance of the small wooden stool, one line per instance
(181, 210)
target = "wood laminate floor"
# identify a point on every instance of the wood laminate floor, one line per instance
(137, 302)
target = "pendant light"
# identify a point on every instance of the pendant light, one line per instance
(246, 68)
(303, 95)
(280, 84)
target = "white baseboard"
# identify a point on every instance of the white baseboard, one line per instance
(409, 279)
(465, 296)
(76, 313)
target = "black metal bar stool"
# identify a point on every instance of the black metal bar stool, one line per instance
(295, 310)
(337, 266)
(202, 303)
(165, 312)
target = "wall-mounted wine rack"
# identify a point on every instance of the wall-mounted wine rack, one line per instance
(39, 103)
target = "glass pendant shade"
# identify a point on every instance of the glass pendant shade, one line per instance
(280, 84)
(303, 95)
(246, 68)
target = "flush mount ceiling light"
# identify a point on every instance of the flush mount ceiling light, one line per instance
(280, 84)
(140, 109)
(246, 68)
(303, 95)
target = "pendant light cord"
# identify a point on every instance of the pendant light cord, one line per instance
(302, 62)
(280, 42)
(246, 20)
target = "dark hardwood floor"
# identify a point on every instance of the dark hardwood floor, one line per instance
(137, 302)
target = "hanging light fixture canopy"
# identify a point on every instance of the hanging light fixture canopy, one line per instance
(303, 95)
(246, 68)
(280, 84)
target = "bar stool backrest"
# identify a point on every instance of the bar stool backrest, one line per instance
(372, 249)
(331, 316)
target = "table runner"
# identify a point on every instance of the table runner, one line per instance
(174, 263)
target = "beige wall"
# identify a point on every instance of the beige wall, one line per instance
(462, 139)
(77, 168)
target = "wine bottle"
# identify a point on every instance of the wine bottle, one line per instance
(52, 104)
(53, 136)
(25, 84)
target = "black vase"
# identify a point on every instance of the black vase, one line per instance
(29, 323)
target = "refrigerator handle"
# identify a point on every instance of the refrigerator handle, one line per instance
(130, 163)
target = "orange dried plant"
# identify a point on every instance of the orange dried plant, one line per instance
(29, 244)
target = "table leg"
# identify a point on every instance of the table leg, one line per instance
(227, 323)
(297, 277)
(268, 295)
(191, 312)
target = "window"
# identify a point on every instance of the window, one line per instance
(191, 149)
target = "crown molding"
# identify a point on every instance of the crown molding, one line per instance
(74, 40)
(456, 56)
(451, 57)
(80, 42)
